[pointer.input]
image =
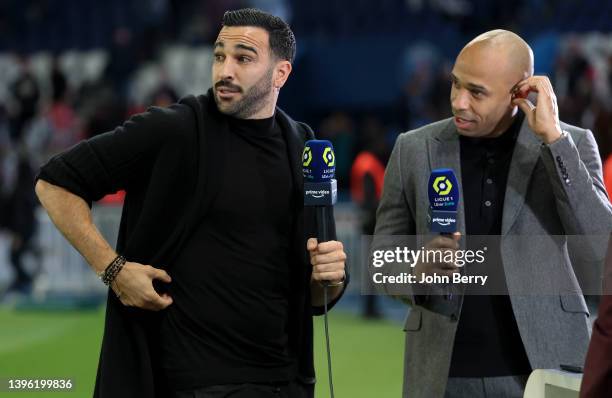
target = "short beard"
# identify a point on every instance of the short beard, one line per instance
(252, 101)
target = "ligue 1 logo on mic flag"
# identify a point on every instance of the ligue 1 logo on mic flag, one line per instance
(328, 157)
(319, 168)
(443, 200)
(442, 185)
(443, 190)
(307, 156)
(318, 161)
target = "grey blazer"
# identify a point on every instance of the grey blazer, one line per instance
(552, 191)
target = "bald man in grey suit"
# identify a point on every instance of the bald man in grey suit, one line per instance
(522, 172)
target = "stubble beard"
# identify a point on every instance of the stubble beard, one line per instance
(253, 101)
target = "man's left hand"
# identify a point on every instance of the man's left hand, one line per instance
(543, 119)
(327, 259)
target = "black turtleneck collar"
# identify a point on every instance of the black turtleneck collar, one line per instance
(254, 127)
(504, 141)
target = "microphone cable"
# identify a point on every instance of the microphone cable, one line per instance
(329, 363)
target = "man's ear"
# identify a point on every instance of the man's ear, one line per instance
(281, 74)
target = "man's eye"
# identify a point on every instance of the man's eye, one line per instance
(477, 94)
(219, 57)
(244, 59)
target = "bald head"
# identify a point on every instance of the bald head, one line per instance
(511, 51)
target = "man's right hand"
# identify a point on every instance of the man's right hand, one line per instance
(443, 243)
(72, 216)
(134, 287)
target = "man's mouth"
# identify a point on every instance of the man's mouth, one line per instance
(226, 92)
(461, 122)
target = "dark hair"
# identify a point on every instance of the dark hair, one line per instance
(282, 40)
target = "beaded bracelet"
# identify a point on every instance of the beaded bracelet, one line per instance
(110, 273)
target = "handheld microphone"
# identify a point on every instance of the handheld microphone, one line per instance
(320, 186)
(443, 201)
(321, 192)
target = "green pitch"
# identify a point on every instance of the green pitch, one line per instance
(366, 355)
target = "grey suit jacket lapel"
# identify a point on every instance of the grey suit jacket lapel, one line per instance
(443, 148)
(524, 158)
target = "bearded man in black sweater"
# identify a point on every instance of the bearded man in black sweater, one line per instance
(216, 274)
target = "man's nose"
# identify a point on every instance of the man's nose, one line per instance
(227, 70)
(460, 100)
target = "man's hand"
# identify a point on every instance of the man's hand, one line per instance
(543, 119)
(134, 287)
(327, 259)
(443, 244)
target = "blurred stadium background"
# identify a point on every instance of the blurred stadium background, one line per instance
(365, 71)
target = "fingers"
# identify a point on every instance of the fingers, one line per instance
(527, 107)
(447, 272)
(328, 247)
(328, 260)
(149, 300)
(447, 269)
(325, 252)
(323, 247)
(537, 84)
(311, 244)
(332, 276)
(160, 274)
(543, 118)
(444, 242)
(334, 257)
(441, 266)
(447, 245)
(135, 288)
(523, 88)
(532, 84)
(153, 300)
(446, 265)
(158, 302)
(328, 256)
(328, 267)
